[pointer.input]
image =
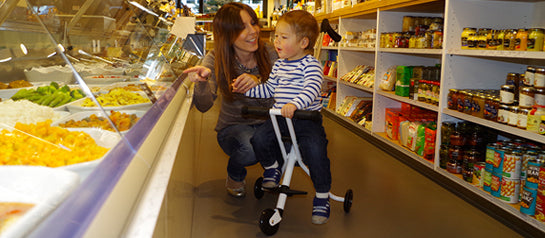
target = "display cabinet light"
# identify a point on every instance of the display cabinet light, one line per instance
(23, 48)
(51, 55)
(5, 60)
(60, 47)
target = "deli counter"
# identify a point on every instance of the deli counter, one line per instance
(94, 107)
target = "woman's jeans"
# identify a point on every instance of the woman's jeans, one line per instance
(235, 142)
(312, 145)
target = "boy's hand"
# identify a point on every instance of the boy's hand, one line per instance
(288, 110)
(244, 82)
(198, 73)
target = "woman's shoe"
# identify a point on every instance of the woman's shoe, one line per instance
(234, 188)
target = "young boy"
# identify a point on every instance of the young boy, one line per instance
(295, 83)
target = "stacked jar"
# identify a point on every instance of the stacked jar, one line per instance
(503, 39)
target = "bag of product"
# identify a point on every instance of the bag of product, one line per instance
(420, 139)
(388, 81)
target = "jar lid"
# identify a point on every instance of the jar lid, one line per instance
(529, 67)
(540, 70)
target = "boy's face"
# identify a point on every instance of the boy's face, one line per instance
(286, 43)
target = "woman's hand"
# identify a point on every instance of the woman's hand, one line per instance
(198, 73)
(288, 110)
(244, 82)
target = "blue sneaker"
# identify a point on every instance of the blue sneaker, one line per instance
(320, 210)
(271, 178)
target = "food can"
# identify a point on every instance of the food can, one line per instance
(527, 156)
(541, 180)
(490, 150)
(487, 177)
(510, 190)
(532, 173)
(499, 155)
(478, 172)
(540, 208)
(495, 185)
(512, 164)
(528, 201)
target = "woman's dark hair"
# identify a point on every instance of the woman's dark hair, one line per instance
(227, 26)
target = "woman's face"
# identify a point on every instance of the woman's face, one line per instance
(248, 38)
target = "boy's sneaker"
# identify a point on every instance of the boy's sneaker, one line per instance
(271, 178)
(320, 210)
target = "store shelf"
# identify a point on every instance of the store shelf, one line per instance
(353, 85)
(495, 125)
(499, 53)
(347, 120)
(330, 78)
(408, 100)
(358, 49)
(395, 144)
(513, 209)
(412, 51)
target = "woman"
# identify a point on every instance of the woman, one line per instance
(239, 61)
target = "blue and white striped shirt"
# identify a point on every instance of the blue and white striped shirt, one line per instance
(298, 82)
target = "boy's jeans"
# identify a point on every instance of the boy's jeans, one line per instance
(312, 145)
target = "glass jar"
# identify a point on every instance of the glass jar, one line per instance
(539, 97)
(479, 105)
(482, 38)
(522, 119)
(457, 139)
(503, 113)
(443, 156)
(526, 97)
(452, 99)
(447, 128)
(461, 97)
(513, 116)
(468, 103)
(465, 36)
(437, 39)
(472, 41)
(535, 39)
(509, 39)
(534, 119)
(507, 94)
(492, 40)
(412, 41)
(456, 157)
(512, 79)
(529, 76)
(539, 78)
(499, 44)
(521, 40)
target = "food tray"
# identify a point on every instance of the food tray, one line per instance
(48, 74)
(105, 79)
(44, 187)
(78, 116)
(75, 106)
(103, 138)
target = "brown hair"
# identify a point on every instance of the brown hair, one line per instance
(227, 26)
(304, 25)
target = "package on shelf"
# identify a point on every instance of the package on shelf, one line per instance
(392, 123)
(362, 75)
(332, 101)
(346, 104)
(364, 39)
(388, 81)
(403, 80)
(362, 111)
(330, 68)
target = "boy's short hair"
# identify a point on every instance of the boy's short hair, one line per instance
(304, 24)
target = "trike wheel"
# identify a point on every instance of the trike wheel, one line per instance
(258, 192)
(264, 223)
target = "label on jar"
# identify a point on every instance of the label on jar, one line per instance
(522, 119)
(512, 119)
(508, 97)
(539, 99)
(503, 115)
(539, 80)
(528, 78)
(526, 100)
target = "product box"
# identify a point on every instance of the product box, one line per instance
(403, 80)
(392, 123)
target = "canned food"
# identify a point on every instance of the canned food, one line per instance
(532, 174)
(512, 164)
(540, 208)
(529, 155)
(495, 185)
(510, 190)
(528, 201)
(499, 154)
(478, 172)
(487, 178)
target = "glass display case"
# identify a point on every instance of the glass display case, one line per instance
(85, 85)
